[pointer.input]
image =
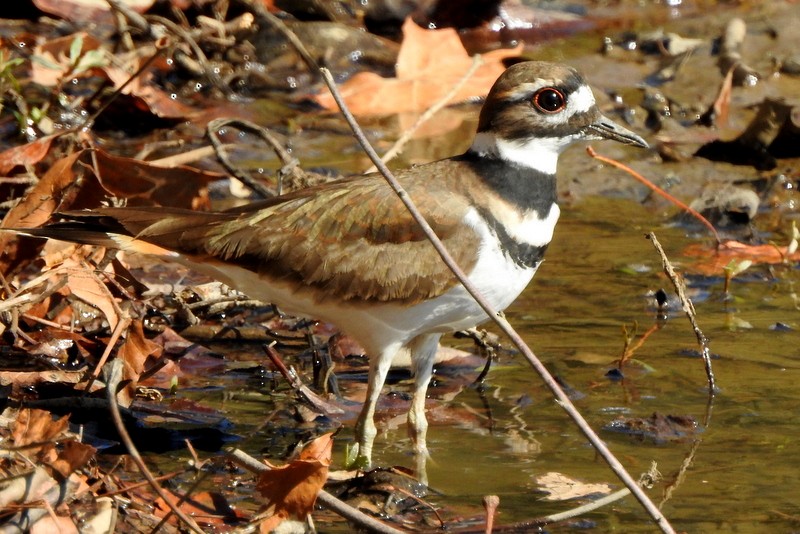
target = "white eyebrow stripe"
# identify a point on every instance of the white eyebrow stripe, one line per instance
(581, 100)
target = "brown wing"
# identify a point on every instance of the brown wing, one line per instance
(352, 240)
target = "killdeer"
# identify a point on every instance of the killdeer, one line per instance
(348, 251)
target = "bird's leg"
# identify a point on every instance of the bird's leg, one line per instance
(423, 352)
(365, 426)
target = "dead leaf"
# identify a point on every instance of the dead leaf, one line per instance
(73, 455)
(430, 63)
(134, 353)
(88, 11)
(36, 426)
(43, 199)
(712, 261)
(48, 524)
(559, 487)
(53, 59)
(21, 379)
(143, 183)
(210, 508)
(27, 154)
(85, 285)
(53, 189)
(144, 90)
(291, 490)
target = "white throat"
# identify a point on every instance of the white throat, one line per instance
(539, 153)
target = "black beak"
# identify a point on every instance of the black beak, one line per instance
(605, 128)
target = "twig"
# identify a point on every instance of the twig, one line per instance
(561, 398)
(636, 176)
(303, 391)
(113, 376)
(323, 498)
(122, 326)
(629, 350)
(688, 309)
(398, 145)
(687, 462)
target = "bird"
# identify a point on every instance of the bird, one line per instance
(348, 252)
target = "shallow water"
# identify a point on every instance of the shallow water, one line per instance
(744, 472)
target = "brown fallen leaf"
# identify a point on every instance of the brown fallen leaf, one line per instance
(73, 455)
(430, 63)
(57, 189)
(134, 352)
(55, 58)
(36, 426)
(560, 487)
(209, 508)
(27, 154)
(144, 183)
(711, 261)
(85, 285)
(88, 11)
(291, 490)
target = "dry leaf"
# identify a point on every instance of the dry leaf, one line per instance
(27, 154)
(134, 353)
(88, 11)
(85, 285)
(292, 489)
(36, 426)
(712, 262)
(143, 183)
(430, 63)
(210, 508)
(74, 455)
(560, 487)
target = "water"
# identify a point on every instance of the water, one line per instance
(744, 459)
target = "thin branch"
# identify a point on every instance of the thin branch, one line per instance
(561, 397)
(688, 309)
(256, 185)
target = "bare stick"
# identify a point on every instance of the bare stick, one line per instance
(688, 309)
(398, 145)
(561, 397)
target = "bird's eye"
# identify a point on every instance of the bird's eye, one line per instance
(549, 100)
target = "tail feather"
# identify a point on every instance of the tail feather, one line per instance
(75, 234)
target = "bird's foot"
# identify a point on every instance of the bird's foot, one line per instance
(357, 458)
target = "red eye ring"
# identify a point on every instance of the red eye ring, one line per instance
(549, 100)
